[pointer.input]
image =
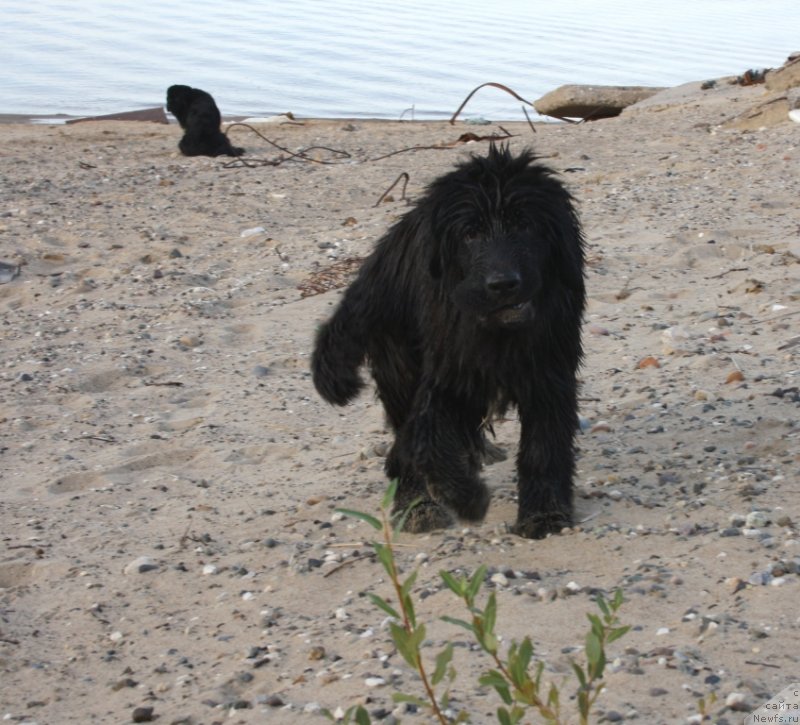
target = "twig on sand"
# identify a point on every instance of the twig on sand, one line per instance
(338, 155)
(528, 118)
(405, 177)
(468, 137)
(483, 85)
(347, 562)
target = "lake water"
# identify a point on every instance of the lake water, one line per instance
(376, 58)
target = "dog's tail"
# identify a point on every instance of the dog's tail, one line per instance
(339, 351)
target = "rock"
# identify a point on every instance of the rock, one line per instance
(140, 565)
(737, 701)
(785, 77)
(142, 714)
(499, 579)
(591, 102)
(756, 520)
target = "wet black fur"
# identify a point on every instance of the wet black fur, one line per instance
(471, 303)
(200, 119)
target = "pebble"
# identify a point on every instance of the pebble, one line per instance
(572, 588)
(261, 371)
(648, 362)
(143, 714)
(252, 232)
(737, 701)
(209, 569)
(141, 565)
(499, 579)
(274, 701)
(756, 520)
(374, 682)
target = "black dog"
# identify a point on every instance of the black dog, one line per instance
(472, 302)
(200, 119)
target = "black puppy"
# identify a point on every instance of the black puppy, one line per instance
(200, 119)
(471, 303)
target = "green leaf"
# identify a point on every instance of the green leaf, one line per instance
(492, 678)
(385, 557)
(391, 492)
(399, 518)
(475, 584)
(442, 661)
(400, 697)
(601, 603)
(597, 625)
(460, 623)
(616, 603)
(454, 585)
(594, 649)
(579, 673)
(371, 520)
(405, 644)
(553, 698)
(409, 582)
(526, 652)
(615, 634)
(489, 643)
(595, 656)
(362, 716)
(408, 608)
(503, 717)
(384, 605)
(490, 614)
(518, 660)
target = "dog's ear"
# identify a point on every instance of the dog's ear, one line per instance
(436, 266)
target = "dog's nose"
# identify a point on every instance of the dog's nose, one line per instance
(503, 283)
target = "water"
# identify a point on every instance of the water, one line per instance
(376, 58)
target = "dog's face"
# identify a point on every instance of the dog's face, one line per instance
(499, 226)
(497, 275)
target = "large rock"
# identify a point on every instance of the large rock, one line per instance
(785, 77)
(591, 102)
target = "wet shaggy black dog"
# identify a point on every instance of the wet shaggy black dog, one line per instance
(471, 303)
(200, 119)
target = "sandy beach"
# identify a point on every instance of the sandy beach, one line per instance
(168, 528)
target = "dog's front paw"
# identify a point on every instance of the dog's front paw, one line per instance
(427, 516)
(469, 499)
(537, 526)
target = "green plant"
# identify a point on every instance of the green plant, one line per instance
(511, 677)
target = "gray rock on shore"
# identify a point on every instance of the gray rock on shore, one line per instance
(591, 102)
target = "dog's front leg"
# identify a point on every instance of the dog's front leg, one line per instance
(448, 452)
(412, 498)
(545, 466)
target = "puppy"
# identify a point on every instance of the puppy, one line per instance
(200, 119)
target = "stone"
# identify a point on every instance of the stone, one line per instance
(141, 565)
(785, 77)
(142, 714)
(591, 102)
